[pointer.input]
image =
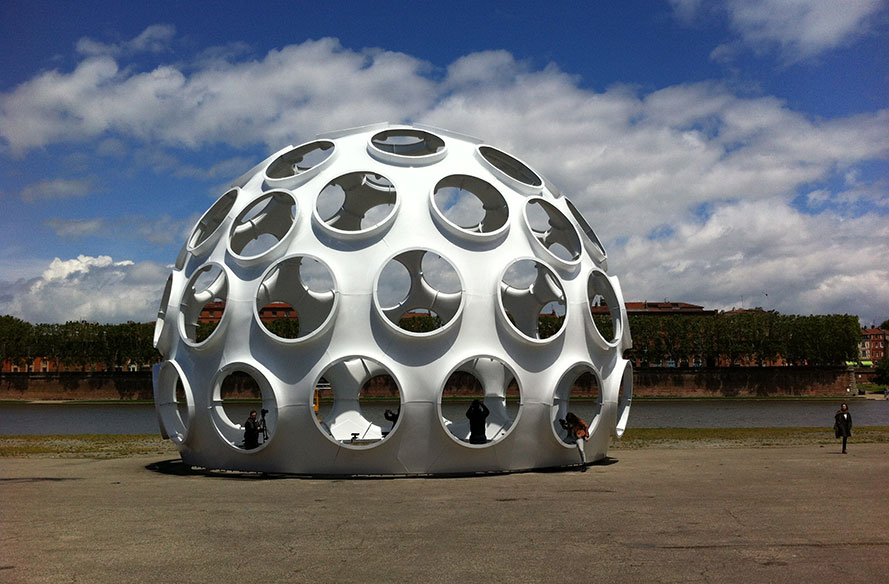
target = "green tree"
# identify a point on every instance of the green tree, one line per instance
(882, 368)
(645, 335)
(285, 328)
(421, 324)
(81, 344)
(203, 331)
(15, 337)
(604, 325)
(548, 325)
(885, 325)
(120, 345)
(822, 339)
(47, 342)
(143, 351)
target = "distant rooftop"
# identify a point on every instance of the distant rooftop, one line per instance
(654, 308)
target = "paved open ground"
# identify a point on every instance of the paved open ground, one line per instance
(705, 514)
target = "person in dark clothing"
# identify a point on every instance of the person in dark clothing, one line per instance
(577, 433)
(252, 428)
(477, 414)
(843, 424)
(392, 417)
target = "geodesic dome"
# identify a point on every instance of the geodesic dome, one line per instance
(353, 232)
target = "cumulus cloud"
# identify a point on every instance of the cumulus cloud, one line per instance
(653, 159)
(86, 288)
(798, 29)
(57, 188)
(241, 103)
(700, 194)
(765, 253)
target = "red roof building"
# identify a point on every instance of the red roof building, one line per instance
(872, 346)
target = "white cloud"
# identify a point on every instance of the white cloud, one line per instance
(162, 230)
(82, 264)
(765, 253)
(268, 101)
(800, 29)
(55, 189)
(154, 39)
(87, 288)
(640, 166)
(686, 11)
(76, 227)
(113, 147)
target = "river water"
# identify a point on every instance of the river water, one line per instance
(140, 418)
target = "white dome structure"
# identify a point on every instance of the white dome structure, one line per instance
(355, 231)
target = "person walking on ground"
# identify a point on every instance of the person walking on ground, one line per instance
(578, 433)
(477, 414)
(843, 424)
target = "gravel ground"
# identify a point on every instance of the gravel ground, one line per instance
(693, 514)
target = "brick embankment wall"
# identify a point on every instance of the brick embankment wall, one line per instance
(76, 385)
(726, 382)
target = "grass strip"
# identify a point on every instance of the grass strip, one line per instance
(743, 437)
(125, 445)
(84, 446)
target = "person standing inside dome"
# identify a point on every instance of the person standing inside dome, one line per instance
(477, 414)
(252, 428)
(578, 433)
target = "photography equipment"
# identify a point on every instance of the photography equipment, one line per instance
(265, 429)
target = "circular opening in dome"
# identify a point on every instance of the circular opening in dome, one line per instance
(418, 291)
(162, 311)
(510, 166)
(624, 399)
(532, 299)
(356, 202)
(552, 230)
(597, 251)
(604, 307)
(211, 220)
(239, 390)
(175, 402)
(408, 142)
(470, 204)
(296, 298)
(203, 304)
(480, 401)
(577, 403)
(263, 224)
(359, 402)
(300, 160)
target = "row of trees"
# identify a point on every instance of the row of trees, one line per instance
(77, 344)
(751, 337)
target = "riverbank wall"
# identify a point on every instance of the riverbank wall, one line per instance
(647, 382)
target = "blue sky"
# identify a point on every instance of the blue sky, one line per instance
(728, 153)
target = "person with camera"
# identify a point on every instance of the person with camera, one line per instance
(252, 428)
(477, 414)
